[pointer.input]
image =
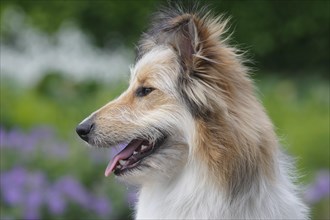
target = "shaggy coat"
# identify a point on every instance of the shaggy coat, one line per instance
(219, 157)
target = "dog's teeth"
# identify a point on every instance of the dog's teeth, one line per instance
(135, 152)
(122, 162)
(143, 147)
(118, 167)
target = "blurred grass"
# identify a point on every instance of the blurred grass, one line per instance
(62, 105)
(299, 109)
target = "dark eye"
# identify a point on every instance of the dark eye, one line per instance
(143, 91)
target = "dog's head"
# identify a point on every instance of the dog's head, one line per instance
(149, 117)
(182, 75)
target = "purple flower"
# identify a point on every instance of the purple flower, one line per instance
(39, 138)
(12, 185)
(319, 189)
(15, 138)
(55, 201)
(18, 140)
(101, 206)
(33, 202)
(29, 192)
(42, 133)
(36, 181)
(55, 150)
(73, 190)
(21, 188)
(3, 135)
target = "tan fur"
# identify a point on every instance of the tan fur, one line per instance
(245, 136)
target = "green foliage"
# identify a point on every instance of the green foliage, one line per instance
(108, 22)
(55, 100)
(281, 35)
(300, 112)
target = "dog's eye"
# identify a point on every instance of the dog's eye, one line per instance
(143, 91)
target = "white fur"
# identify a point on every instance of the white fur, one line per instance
(192, 195)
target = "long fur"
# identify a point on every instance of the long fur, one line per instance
(221, 159)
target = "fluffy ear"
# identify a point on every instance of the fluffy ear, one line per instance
(185, 41)
(178, 31)
(207, 63)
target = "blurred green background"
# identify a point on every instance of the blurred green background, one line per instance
(61, 60)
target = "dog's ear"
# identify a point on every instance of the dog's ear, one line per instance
(185, 41)
(190, 38)
(178, 31)
(207, 63)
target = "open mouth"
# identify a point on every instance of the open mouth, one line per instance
(132, 155)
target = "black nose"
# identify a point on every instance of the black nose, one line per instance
(83, 129)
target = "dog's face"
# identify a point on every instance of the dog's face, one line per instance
(155, 116)
(149, 117)
(183, 85)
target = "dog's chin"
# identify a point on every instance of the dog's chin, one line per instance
(162, 165)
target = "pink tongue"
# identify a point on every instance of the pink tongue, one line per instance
(124, 154)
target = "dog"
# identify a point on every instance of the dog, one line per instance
(199, 144)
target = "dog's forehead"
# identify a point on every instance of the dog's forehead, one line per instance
(158, 63)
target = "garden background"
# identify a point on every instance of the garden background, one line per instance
(61, 60)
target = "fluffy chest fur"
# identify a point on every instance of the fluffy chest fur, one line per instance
(189, 196)
(194, 196)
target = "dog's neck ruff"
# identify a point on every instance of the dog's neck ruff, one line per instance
(185, 197)
(193, 195)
